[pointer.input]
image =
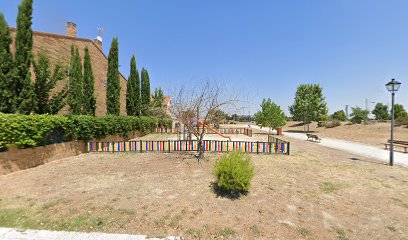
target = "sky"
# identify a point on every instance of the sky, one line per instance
(257, 49)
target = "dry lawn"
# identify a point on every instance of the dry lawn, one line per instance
(375, 134)
(316, 193)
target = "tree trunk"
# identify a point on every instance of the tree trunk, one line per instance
(200, 149)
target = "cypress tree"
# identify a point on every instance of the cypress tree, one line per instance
(113, 85)
(7, 103)
(133, 90)
(145, 92)
(45, 81)
(89, 104)
(24, 90)
(75, 95)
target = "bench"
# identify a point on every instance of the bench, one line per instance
(313, 137)
(398, 143)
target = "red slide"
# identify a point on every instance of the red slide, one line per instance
(213, 130)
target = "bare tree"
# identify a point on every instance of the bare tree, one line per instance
(201, 103)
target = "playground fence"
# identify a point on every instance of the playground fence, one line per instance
(139, 146)
(278, 141)
(244, 131)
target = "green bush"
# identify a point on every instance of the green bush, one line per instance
(37, 130)
(333, 123)
(234, 172)
(401, 121)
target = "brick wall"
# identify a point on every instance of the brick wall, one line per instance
(58, 48)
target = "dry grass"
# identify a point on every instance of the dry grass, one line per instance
(321, 194)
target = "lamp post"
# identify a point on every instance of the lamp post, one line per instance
(392, 87)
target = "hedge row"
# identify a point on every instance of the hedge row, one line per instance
(37, 130)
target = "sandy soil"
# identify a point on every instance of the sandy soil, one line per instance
(315, 193)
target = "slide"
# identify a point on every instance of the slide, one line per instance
(213, 130)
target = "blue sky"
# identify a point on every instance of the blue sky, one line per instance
(259, 48)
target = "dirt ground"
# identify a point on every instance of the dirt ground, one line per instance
(315, 193)
(375, 134)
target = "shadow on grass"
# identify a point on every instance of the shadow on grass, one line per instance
(369, 161)
(232, 195)
(299, 131)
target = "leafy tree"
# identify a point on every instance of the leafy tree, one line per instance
(44, 83)
(24, 90)
(75, 92)
(309, 105)
(133, 101)
(89, 103)
(359, 115)
(7, 103)
(113, 86)
(399, 111)
(381, 112)
(339, 115)
(271, 115)
(158, 97)
(145, 92)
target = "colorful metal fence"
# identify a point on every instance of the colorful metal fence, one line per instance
(190, 145)
(278, 141)
(245, 131)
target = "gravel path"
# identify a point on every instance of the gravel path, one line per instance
(17, 234)
(372, 152)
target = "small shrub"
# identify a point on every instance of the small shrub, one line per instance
(401, 121)
(333, 123)
(234, 172)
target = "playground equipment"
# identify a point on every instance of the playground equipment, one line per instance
(213, 130)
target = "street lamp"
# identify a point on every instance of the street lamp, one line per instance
(392, 87)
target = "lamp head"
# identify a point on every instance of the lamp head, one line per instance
(393, 86)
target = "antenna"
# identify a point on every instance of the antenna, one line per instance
(100, 34)
(100, 31)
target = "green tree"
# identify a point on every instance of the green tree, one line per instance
(75, 92)
(339, 115)
(271, 115)
(44, 83)
(381, 112)
(399, 111)
(158, 98)
(113, 85)
(23, 86)
(358, 115)
(145, 92)
(7, 103)
(133, 90)
(89, 103)
(309, 105)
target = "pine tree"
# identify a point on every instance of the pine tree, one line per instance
(89, 104)
(145, 92)
(7, 103)
(44, 83)
(75, 95)
(24, 90)
(113, 85)
(158, 98)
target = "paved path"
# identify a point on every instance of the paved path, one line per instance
(372, 152)
(16, 234)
